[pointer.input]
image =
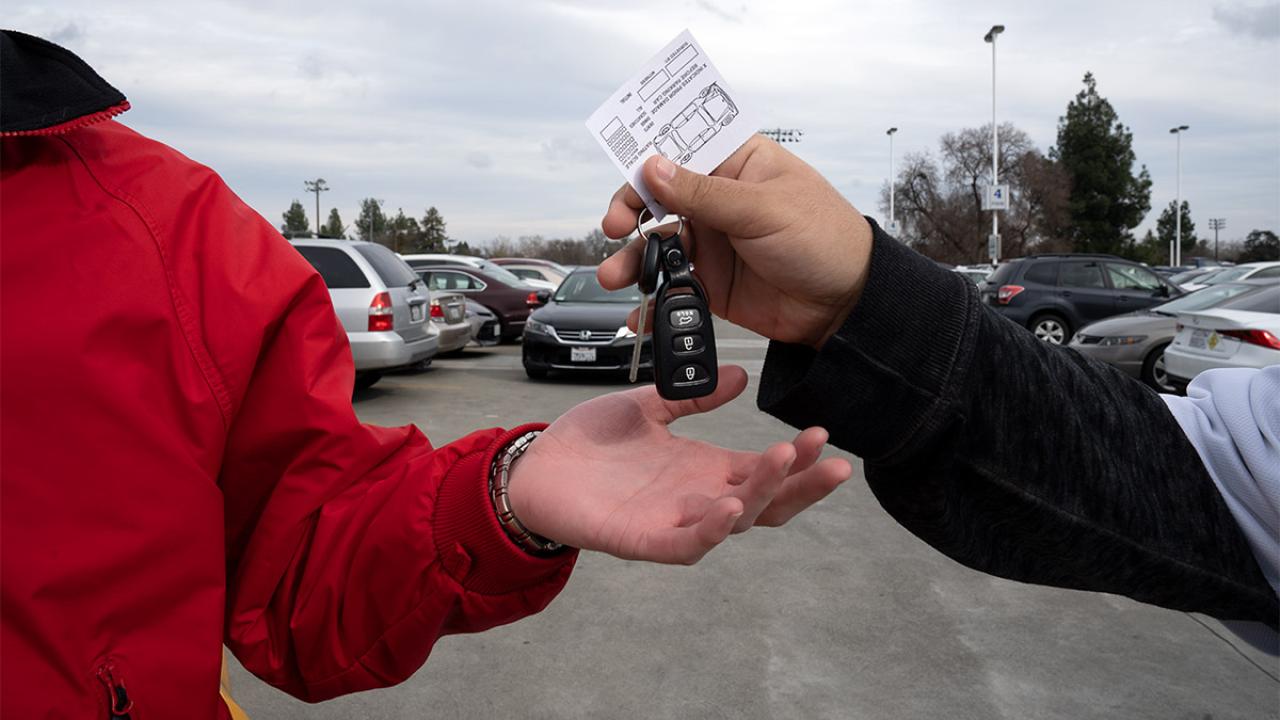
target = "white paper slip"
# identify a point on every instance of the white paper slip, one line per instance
(678, 106)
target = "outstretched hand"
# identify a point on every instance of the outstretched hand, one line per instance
(610, 476)
(778, 249)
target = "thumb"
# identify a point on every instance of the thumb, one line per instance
(720, 202)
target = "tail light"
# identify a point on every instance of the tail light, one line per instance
(1007, 293)
(532, 300)
(1254, 337)
(437, 312)
(380, 313)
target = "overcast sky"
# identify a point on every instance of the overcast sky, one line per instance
(477, 107)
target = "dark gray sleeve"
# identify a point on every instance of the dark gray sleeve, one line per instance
(1013, 457)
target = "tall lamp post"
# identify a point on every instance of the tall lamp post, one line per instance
(1175, 253)
(1215, 224)
(893, 221)
(995, 146)
(316, 186)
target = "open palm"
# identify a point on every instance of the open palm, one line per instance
(610, 476)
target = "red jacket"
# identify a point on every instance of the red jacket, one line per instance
(181, 466)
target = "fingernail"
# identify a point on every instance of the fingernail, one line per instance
(664, 167)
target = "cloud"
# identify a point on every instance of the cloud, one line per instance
(719, 12)
(1258, 21)
(479, 160)
(69, 34)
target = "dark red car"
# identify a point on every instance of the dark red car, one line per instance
(505, 294)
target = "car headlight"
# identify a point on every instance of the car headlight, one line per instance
(537, 328)
(624, 333)
(1122, 340)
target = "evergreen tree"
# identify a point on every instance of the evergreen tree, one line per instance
(403, 234)
(334, 227)
(371, 226)
(1107, 199)
(434, 238)
(295, 221)
(1166, 230)
(1260, 245)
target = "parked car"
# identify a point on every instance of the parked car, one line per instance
(449, 315)
(1183, 277)
(975, 275)
(504, 294)
(380, 301)
(1135, 342)
(420, 260)
(485, 326)
(1248, 271)
(1222, 338)
(533, 269)
(1052, 295)
(583, 328)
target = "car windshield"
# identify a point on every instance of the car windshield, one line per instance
(582, 287)
(498, 272)
(1223, 276)
(1201, 299)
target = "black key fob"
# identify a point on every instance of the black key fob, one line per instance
(684, 344)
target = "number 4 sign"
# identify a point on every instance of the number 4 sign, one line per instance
(996, 198)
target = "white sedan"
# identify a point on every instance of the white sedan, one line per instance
(1222, 339)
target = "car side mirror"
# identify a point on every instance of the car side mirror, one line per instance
(1162, 291)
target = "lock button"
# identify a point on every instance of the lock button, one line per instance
(691, 374)
(686, 344)
(686, 318)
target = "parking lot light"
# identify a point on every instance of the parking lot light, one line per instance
(1175, 253)
(892, 220)
(990, 37)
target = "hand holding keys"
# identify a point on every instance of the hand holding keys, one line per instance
(684, 347)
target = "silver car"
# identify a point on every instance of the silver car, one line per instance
(380, 301)
(1135, 343)
(449, 316)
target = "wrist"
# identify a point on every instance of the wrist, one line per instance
(501, 473)
(862, 237)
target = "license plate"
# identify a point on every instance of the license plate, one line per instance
(415, 313)
(1199, 339)
(582, 354)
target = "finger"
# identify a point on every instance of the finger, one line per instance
(686, 545)
(808, 448)
(733, 380)
(623, 267)
(633, 319)
(803, 489)
(721, 202)
(764, 483)
(624, 207)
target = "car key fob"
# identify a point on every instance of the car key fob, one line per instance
(684, 344)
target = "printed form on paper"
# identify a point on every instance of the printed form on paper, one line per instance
(678, 106)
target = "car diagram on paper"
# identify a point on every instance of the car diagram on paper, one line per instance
(697, 123)
(678, 106)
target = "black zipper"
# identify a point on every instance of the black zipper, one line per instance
(119, 704)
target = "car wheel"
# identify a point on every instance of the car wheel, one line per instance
(1051, 329)
(535, 373)
(365, 380)
(1154, 372)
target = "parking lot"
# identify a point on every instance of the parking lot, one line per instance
(840, 614)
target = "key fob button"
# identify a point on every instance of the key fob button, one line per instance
(686, 318)
(685, 344)
(691, 374)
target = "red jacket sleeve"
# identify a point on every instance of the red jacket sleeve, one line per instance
(350, 548)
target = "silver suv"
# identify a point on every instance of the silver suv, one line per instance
(380, 301)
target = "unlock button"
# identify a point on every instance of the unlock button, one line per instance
(686, 344)
(691, 374)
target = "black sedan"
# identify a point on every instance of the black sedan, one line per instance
(583, 328)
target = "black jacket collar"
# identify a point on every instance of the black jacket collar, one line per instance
(45, 86)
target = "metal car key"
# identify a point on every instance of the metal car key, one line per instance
(684, 347)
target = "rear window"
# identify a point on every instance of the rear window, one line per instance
(1266, 300)
(1003, 273)
(1045, 273)
(393, 271)
(335, 266)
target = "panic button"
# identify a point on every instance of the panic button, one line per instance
(691, 374)
(686, 344)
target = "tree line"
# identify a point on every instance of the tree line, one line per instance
(1085, 195)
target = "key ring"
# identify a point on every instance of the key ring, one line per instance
(640, 222)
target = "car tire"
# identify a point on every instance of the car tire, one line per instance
(365, 380)
(1154, 373)
(535, 373)
(1050, 328)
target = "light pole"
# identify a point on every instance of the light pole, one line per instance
(316, 186)
(1215, 224)
(893, 222)
(783, 135)
(995, 146)
(1175, 253)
